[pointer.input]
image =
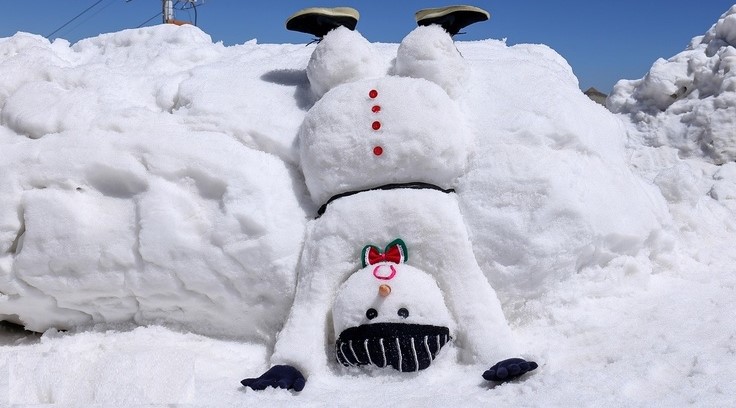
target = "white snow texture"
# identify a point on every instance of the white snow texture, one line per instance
(688, 101)
(153, 178)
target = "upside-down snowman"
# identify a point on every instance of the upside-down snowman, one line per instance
(381, 151)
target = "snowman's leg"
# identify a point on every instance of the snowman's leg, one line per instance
(428, 52)
(483, 333)
(343, 56)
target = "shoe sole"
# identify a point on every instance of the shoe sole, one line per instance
(433, 13)
(320, 20)
(328, 11)
(452, 18)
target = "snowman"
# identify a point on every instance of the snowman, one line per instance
(381, 151)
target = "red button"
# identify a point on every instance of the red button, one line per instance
(376, 125)
(378, 150)
(373, 94)
(376, 109)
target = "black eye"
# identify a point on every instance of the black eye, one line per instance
(403, 312)
(371, 314)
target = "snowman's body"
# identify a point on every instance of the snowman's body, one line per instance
(431, 224)
(381, 156)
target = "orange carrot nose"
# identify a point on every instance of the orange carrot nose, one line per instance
(384, 290)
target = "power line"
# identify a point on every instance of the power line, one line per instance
(147, 21)
(75, 17)
(91, 16)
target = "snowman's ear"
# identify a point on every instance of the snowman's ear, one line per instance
(395, 252)
(370, 253)
(397, 249)
(343, 56)
(428, 52)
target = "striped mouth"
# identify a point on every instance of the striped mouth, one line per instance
(405, 347)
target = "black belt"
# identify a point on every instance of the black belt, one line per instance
(415, 186)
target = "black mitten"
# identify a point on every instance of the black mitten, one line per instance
(279, 376)
(507, 370)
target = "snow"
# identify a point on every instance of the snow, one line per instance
(439, 62)
(346, 57)
(688, 101)
(155, 210)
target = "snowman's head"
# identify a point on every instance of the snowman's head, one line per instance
(390, 314)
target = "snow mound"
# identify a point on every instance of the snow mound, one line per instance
(151, 176)
(162, 182)
(118, 203)
(689, 100)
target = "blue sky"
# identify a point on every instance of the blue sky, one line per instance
(603, 41)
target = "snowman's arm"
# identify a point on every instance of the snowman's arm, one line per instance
(304, 340)
(482, 333)
(482, 330)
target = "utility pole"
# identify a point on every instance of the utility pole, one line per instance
(168, 11)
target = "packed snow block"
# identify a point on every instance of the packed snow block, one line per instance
(77, 248)
(41, 108)
(725, 28)
(688, 101)
(724, 189)
(11, 226)
(549, 189)
(25, 50)
(217, 96)
(141, 183)
(187, 229)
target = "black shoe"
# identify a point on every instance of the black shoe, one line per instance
(452, 18)
(318, 21)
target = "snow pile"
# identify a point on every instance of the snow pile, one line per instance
(120, 201)
(549, 192)
(688, 101)
(144, 180)
(151, 176)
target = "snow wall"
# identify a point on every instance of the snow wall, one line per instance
(151, 176)
(688, 102)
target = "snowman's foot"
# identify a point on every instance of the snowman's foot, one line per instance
(318, 21)
(451, 18)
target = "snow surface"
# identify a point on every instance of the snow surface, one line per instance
(688, 101)
(152, 203)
